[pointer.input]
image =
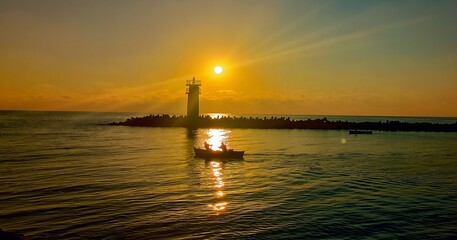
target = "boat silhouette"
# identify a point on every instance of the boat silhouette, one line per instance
(207, 154)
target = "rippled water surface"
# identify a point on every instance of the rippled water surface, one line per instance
(63, 176)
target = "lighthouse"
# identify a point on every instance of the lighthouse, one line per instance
(193, 91)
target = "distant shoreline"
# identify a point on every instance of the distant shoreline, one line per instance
(281, 123)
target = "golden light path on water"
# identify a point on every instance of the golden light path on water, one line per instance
(220, 205)
(215, 138)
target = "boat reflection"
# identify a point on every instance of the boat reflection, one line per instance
(220, 204)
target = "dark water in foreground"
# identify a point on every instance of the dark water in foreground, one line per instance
(62, 176)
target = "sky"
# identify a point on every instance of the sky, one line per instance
(332, 57)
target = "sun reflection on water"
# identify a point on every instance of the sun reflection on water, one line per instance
(216, 137)
(220, 205)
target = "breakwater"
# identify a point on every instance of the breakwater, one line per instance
(281, 123)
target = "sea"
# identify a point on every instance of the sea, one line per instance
(68, 175)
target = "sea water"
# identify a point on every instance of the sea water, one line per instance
(65, 175)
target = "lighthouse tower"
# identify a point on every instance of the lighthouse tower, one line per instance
(192, 91)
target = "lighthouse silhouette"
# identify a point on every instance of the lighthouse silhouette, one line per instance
(193, 91)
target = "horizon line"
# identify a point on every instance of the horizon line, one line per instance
(230, 114)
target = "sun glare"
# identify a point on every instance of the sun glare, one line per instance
(218, 70)
(216, 137)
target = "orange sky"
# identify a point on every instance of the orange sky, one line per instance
(279, 57)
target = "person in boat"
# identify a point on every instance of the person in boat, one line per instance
(223, 147)
(207, 146)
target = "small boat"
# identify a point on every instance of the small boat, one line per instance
(230, 153)
(360, 132)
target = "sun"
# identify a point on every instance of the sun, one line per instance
(218, 70)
